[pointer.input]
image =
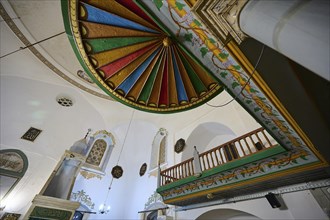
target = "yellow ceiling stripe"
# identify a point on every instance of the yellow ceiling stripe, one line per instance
(115, 54)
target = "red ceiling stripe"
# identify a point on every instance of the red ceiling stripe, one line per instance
(163, 99)
(135, 9)
(117, 65)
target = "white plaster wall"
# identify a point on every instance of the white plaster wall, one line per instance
(28, 99)
(297, 205)
(28, 103)
(226, 214)
(129, 193)
(135, 190)
(221, 125)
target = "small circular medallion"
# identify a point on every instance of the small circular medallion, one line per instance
(179, 145)
(117, 172)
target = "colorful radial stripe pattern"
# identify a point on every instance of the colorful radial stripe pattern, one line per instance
(140, 64)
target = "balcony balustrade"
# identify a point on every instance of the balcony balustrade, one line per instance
(236, 149)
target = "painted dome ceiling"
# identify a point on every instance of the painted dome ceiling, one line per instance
(135, 59)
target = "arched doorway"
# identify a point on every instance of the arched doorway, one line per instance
(228, 214)
(206, 136)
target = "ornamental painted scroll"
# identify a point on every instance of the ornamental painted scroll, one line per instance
(10, 216)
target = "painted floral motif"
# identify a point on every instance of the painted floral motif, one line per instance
(216, 57)
(155, 197)
(83, 198)
(255, 169)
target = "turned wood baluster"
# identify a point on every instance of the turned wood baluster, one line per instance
(204, 167)
(255, 147)
(212, 160)
(186, 168)
(247, 145)
(270, 144)
(218, 159)
(240, 145)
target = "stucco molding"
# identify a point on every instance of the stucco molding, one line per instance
(221, 18)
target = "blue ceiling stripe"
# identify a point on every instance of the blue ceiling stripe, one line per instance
(182, 95)
(97, 15)
(129, 82)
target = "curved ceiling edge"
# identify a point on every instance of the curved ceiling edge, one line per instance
(132, 58)
(11, 24)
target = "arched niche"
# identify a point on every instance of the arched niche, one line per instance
(206, 136)
(13, 165)
(100, 145)
(228, 214)
(158, 151)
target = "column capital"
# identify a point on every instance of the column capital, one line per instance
(221, 17)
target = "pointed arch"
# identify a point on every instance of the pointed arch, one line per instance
(158, 151)
(205, 134)
(231, 214)
(100, 145)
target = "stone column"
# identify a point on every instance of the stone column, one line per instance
(297, 29)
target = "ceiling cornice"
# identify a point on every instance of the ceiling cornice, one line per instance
(19, 34)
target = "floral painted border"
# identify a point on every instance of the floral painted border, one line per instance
(82, 197)
(249, 171)
(191, 32)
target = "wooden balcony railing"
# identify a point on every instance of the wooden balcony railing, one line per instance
(245, 145)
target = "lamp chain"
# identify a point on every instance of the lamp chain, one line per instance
(104, 209)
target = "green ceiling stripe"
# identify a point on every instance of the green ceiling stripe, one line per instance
(103, 44)
(197, 83)
(144, 96)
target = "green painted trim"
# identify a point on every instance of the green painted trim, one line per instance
(65, 13)
(40, 212)
(253, 178)
(231, 165)
(173, 36)
(18, 175)
(253, 115)
(241, 103)
(68, 30)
